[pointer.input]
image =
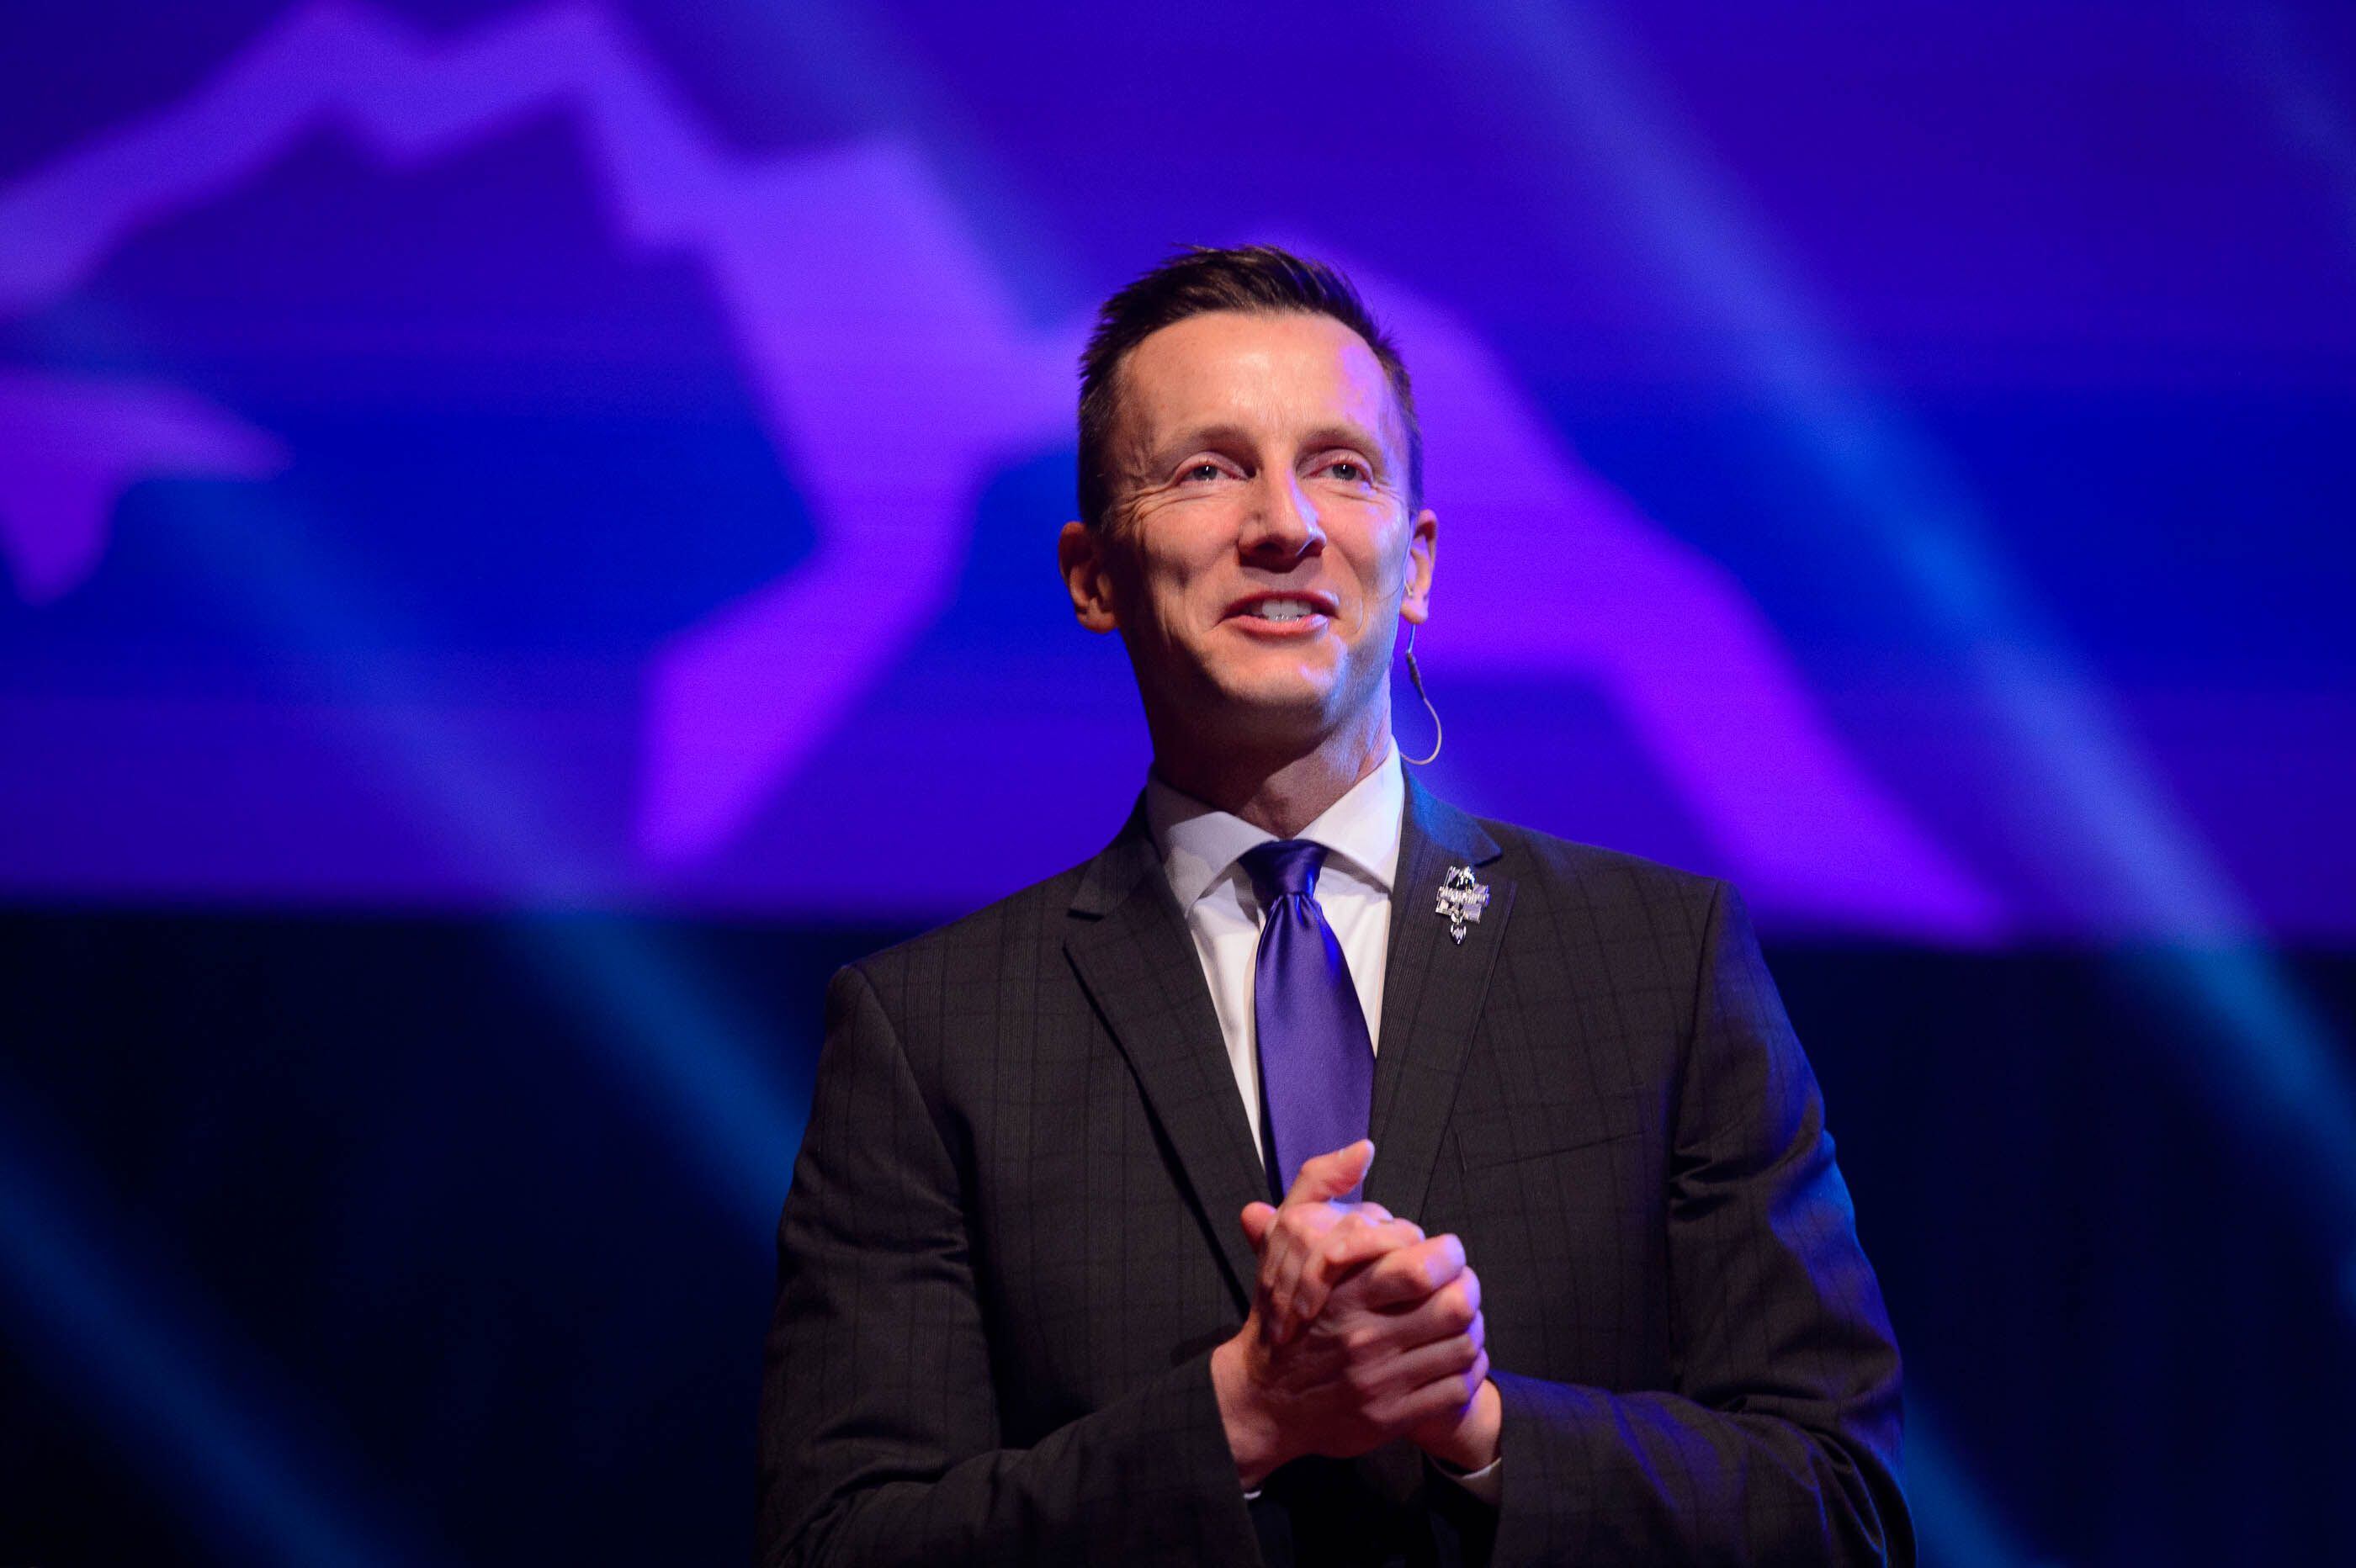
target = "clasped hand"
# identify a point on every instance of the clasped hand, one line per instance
(1362, 1330)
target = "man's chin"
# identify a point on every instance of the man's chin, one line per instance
(1293, 713)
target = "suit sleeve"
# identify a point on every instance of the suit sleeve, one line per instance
(1779, 1442)
(880, 1440)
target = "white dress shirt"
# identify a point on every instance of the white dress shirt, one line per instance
(1201, 850)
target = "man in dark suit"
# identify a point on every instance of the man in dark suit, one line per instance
(1602, 1299)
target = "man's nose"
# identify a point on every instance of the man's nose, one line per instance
(1283, 520)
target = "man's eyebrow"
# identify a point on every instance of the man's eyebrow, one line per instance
(1216, 437)
(1345, 433)
(1197, 438)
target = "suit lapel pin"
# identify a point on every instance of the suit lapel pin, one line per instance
(1462, 900)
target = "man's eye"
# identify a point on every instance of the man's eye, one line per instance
(1201, 470)
(1349, 472)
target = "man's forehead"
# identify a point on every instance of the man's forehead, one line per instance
(1232, 367)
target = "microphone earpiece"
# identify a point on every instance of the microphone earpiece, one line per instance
(1415, 679)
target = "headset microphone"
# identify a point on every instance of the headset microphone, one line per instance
(1415, 679)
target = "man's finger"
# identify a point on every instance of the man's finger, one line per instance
(1440, 1358)
(1344, 1248)
(1413, 1273)
(1282, 1265)
(1445, 1398)
(1331, 1176)
(1453, 1394)
(1258, 1219)
(1453, 1311)
(1303, 1235)
(1341, 1248)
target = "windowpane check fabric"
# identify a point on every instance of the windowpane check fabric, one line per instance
(1012, 1243)
(1316, 1061)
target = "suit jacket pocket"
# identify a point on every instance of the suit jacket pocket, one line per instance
(1508, 1135)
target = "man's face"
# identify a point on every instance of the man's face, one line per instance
(1259, 550)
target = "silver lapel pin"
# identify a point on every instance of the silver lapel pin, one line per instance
(1462, 900)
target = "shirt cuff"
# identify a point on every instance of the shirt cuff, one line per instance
(1486, 1483)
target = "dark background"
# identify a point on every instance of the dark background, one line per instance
(366, 1204)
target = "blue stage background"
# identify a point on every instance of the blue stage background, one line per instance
(523, 527)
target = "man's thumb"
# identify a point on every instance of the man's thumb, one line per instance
(1332, 1176)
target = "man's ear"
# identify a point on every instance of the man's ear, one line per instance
(1423, 542)
(1079, 551)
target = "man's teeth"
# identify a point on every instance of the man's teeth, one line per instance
(1282, 609)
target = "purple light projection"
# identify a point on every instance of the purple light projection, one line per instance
(893, 376)
(68, 449)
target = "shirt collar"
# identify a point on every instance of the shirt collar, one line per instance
(1198, 843)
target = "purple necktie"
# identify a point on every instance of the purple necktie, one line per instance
(1316, 1059)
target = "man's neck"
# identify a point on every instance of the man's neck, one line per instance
(1278, 791)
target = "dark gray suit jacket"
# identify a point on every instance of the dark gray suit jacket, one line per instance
(1012, 1240)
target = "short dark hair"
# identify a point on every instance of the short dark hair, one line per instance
(1196, 280)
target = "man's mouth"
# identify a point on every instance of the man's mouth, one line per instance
(1283, 609)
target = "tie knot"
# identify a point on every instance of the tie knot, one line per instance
(1283, 866)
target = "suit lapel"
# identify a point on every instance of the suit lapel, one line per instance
(1433, 993)
(1130, 944)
